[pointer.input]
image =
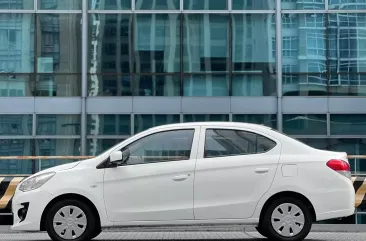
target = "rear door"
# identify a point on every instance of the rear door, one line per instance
(234, 168)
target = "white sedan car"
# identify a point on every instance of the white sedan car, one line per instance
(187, 174)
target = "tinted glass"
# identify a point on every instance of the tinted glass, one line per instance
(56, 147)
(143, 122)
(16, 4)
(252, 50)
(348, 125)
(160, 147)
(254, 4)
(205, 42)
(321, 144)
(109, 85)
(305, 124)
(61, 85)
(110, 4)
(98, 146)
(207, 117)
(58, 125)
(16, 84)
(109, 47)
(304, 84)
(303, 4)
(157, 85)
(17, 43)
(234, 142)
(109, 124)
(347, 4)
(157, 4)
(59, 43)
(12, 147)
(205, 5)
(206, 85)
(267, 120)
(60, 4)
(254, 85)
(157, 39)
(347, 84)
(16, 125)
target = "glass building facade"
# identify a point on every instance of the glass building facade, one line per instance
(78, 76)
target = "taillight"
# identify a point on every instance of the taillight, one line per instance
(340, 166)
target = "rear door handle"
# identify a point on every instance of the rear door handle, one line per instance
(180, 178)
(261, 170)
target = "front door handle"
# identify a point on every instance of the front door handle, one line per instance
(261, 170)
(180, 178)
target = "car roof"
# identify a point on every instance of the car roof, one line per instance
(214, 123)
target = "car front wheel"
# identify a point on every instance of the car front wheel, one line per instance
(70, 220)
(287, 219)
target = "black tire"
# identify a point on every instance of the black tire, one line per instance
(91, 226)
(96, 233)
(261, 231)
(272, 234)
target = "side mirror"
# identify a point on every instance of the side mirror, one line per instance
(116, 157)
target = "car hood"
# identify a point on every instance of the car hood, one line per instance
(59, 168)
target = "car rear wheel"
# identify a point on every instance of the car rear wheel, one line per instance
(70, 220)
(287, 219)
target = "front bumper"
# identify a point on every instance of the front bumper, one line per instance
(38, 200)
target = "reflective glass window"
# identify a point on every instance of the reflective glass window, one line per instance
(361, 218)
(205, 117)
(205, 4)
(56, 147)
(205, 42)
(157, 85)
(13, 125)
(347, 4)
(267, 120)
(253, 4)
(59, 43)
(252, 47)
(109, 85)
(98, 146)
(157, 41)
(206, 85)
(109, 124)
(110, 46)
(157, 4)
(61, 85)
(60, 4)
(254, 85)
(50, 125)
(347, 84)
(17, 4)
(16, 147)
(110, 5)
(348, 124)
(321, 144)
(303, 4)
(17, 43)
(144, 122)
(16, 85)
(302, 124)
(304, 84)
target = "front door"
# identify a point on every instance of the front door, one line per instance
(234, 169)
(156, 182)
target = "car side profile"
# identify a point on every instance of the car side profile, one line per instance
(186, 174)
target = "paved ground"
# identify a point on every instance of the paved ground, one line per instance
(188, 235)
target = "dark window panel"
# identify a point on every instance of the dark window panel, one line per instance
(347, 4)
(254, 85)
(205, 5)
(157, 4)
(302, 124)
(109, 124)
(16, 147)
(98, 146)
(110, 5)
(157, 85)
(347, 124)
(347, 84)
(267, 120)
(303, 4)
(59, 43)
(17, 4)
(304, 84)
(60, 85)
(206, 85)
(205, 117)
(14, 125)
(16, 85)
(109, 85)
(205, 43)
(60, 4)
(157, 41)
(58, 125)
(321, 144)
(144, 122)
(253, 4)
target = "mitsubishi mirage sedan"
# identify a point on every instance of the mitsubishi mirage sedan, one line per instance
(188, 174)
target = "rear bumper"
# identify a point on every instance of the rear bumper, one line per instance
(335, 214)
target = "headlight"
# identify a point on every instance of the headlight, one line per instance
(35, 182)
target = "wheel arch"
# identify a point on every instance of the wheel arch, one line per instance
(69, 196)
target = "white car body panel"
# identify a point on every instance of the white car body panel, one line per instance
(223, 190)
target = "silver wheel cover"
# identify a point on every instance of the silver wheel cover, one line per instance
(287, 220)
(70, 222)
